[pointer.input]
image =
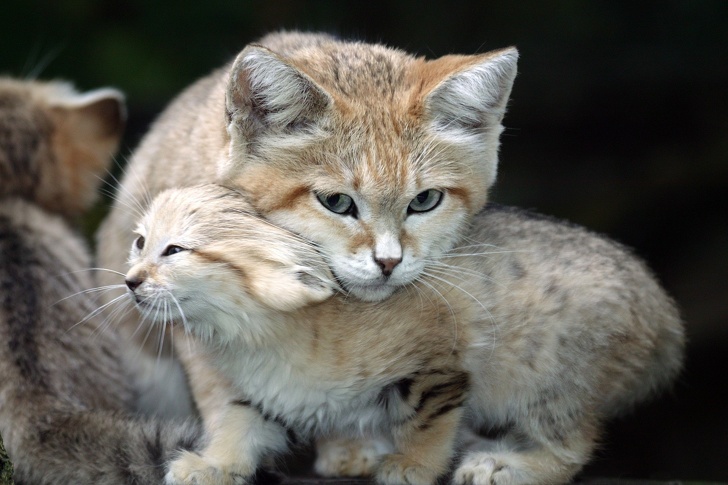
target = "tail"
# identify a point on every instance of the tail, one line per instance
(97, 448)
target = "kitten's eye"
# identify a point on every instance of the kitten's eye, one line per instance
(338, 203)
(425, 201)
(172, 249)
(139, 243)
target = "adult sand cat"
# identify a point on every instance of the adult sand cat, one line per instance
(66, 398)
(546, 336)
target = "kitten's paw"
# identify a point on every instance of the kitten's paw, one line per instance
(192, 469)
(347, 457)
(399, 469)
(489, 469)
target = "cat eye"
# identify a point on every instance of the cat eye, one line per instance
(338, 203)
(425, 201)
(172, 249)
(139, 243)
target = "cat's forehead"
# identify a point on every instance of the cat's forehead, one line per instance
(199, 210)
(365, 72)
(385, 167)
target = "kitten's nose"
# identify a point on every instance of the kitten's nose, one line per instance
(134, 282)
(387, 264)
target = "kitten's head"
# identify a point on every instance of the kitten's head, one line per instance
(56, 143)
(203, 254)
(379, 157)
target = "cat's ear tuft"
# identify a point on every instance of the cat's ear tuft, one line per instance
(472, 98)
(266, 93)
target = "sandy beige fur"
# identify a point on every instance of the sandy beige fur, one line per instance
(540, 329)
(297, 116)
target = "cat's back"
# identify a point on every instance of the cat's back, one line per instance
(546, 246)
(53, 348)
(561, 297)
(190, 132)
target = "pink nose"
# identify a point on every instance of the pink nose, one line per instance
(387, 264)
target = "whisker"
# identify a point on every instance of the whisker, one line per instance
(95, 312)
(450, 308)
(488, 313)
(450, 283)
(89, 291)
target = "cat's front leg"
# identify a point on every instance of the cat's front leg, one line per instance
(238, 439)
(349, 457)
(424, 439)
(518, 459)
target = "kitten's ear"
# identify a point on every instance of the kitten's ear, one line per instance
(265, 92)
(296, 286)
(472, 98)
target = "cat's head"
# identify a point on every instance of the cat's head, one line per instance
(379, 157)
(202, 254)
(55, 143)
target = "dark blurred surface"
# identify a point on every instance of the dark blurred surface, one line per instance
(618, 121)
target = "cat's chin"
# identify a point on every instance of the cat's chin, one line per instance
(372, 293)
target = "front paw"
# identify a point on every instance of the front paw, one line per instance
(192, 469)
(488, 469)
(348, 457)
(399, 469)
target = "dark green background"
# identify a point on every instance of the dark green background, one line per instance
(618, 121)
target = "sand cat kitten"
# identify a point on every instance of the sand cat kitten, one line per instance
(545, 336)
(64, 392)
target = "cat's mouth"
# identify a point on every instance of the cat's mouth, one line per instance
(369, 291)
(143, 302)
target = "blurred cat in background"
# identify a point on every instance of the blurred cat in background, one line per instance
(66, 397)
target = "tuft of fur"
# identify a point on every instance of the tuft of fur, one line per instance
(539, 328)
(66, 397)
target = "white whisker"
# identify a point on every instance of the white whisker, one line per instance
(450, 309)
(94, 313)
(90, 291)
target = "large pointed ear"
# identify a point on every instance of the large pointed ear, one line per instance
(88, 130)
(267, 93)
(91, 123)
(472, 97)
(95, 119)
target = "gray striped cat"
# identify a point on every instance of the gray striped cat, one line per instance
(65, 396)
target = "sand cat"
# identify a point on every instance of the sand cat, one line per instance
(65, 396)
(543, 331)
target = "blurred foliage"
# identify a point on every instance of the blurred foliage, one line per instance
(618, 121)
(6, 467)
